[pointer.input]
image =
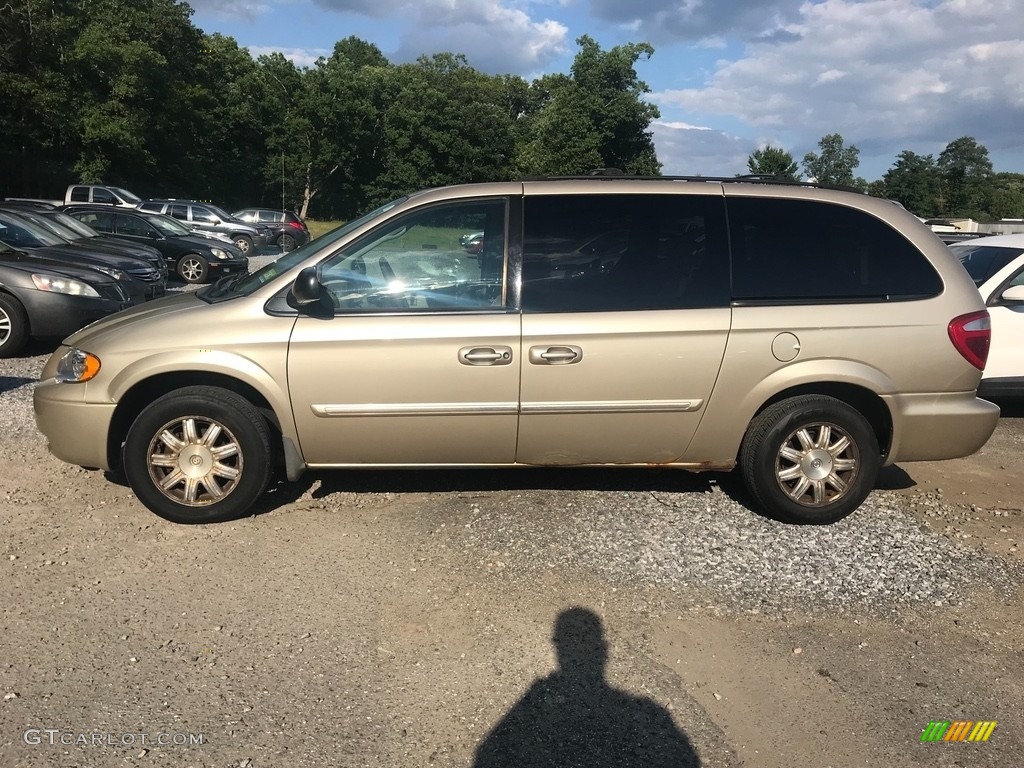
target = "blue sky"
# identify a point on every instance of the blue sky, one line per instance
(729, 76)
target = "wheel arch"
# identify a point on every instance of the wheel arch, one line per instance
(858, 397)
(134, 399)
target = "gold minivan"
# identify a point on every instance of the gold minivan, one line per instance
(807, 336)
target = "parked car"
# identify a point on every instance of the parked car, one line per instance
(996, 264)
(194, 257)
(141, 280)
(42, 298)
(210, 218)
(153, 279)
(93, 238)
(805, 335)
(100, 194)
(287, 230)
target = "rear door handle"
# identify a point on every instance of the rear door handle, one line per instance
(563, 354)
(485, 355)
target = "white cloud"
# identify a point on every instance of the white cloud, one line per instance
(898, 73)
(301, 57)
(495, 36)
(243, 9)
(693, 150)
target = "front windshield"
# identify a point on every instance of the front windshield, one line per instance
(19, 232)
(83, 229)
(168, 226)
(56, 227)
(245, 285)
(127, 196)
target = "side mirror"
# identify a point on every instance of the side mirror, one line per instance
(306, 291)
(1013, 295)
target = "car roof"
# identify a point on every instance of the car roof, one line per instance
(997, 241)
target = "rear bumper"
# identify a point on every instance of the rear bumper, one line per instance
(932, 427)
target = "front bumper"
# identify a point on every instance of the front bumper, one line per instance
(58, 314)
(75, 430)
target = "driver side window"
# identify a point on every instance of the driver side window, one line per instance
(445, 257)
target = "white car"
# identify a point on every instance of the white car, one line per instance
(996, 265)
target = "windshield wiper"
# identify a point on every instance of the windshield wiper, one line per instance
(222, 285)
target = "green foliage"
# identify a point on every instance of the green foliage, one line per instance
(961, 184)
(772, 161)
(835, 164)
(596, 117)
(914, 183)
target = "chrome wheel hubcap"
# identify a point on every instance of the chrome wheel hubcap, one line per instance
(243, 245)
(195, 461)
(5, 326)
(191, 269)
(817, 464)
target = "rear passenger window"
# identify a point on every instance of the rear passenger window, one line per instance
(806, 251)
(599, 253)
(80, 195)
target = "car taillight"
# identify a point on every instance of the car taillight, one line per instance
(295, 224)
(971, 335)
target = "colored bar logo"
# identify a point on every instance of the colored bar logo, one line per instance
(958, 730)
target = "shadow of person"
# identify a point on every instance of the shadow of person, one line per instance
(573, 719)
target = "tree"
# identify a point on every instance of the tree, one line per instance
(772, 161)
(835, 164)
(595, 117)
(1007, 196)
(966, 173)
(913, 181)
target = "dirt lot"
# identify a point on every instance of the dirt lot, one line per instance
(360, 626)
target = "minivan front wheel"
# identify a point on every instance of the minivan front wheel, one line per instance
(198, 455)
(192, 268)
(810, 459)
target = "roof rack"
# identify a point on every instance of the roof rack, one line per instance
(750, 178)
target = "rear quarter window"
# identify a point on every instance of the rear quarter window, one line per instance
(801, 250)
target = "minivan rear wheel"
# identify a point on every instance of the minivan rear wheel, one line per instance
(198, 455)
(810, 459)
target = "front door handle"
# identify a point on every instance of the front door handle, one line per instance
(485, 355)
(563, 354)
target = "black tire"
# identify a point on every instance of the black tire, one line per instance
(202, 421)
(244, 244)
(192, 268)
(13, 326)
(797, 468)
(286, 242)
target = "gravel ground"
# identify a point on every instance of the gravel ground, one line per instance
(395, 618)
(878, 560)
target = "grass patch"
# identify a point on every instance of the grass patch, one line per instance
(317, 228)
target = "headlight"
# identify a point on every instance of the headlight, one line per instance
(76, 367)
(117, 274)
(220, 253)
(55, 284)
